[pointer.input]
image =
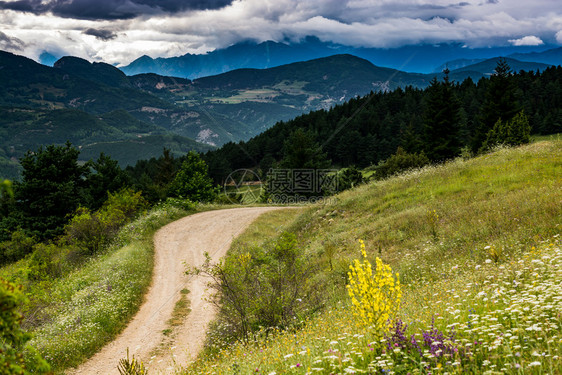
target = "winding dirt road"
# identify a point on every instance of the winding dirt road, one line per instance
(182, 242)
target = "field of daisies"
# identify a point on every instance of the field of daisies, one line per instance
(470, 254)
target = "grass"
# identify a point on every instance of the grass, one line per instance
(270, 224)
(245, 194)
(181, 309)
(73, 316)
(550, 137)
(477, 245)
(179, 313)
(260, 95)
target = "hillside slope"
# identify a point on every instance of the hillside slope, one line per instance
(552, 56)
(485, 68)
(477, 247)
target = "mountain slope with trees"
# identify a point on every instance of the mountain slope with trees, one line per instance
(97, 107)
(367, 130)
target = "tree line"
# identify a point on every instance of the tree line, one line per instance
(440, 121)
(390, 131)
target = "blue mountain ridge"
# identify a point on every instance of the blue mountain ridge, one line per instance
(419, 59)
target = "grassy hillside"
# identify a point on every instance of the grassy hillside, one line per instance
(478, 249)
(90, 300)
(115, 133)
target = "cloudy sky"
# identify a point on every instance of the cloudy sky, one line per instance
(118, 31)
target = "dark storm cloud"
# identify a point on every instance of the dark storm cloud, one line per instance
(102, 34)
(10, 43)
(110, 9)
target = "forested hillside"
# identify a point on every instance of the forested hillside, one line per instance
(98, 108)
(448, 114)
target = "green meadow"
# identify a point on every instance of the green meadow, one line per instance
(476, 245)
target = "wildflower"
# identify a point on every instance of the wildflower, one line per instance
(375, 294)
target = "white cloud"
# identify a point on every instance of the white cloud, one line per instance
(368, 23)
(529, 40)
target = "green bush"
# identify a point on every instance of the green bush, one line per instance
(193, 182)
(48, 261)
(399, 162)
(15, 356)
(17, 247)
(177, 203)
(270, 286)
(91, 232)
(349, 178)
(515, 132)
(6, 188)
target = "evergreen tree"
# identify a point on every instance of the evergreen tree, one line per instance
(500, 103)
(106, 177)
(192, 180)
(50, 190)
(411, 140)
(301, 151)
(441, 121)
(167, 168)
(510, 133)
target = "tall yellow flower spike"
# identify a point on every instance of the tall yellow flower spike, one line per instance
(375, 296)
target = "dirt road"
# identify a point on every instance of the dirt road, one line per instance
(182, 242)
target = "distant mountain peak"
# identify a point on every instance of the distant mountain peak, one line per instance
(71, 60)
(97, 72)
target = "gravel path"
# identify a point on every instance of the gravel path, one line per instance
(182, 242)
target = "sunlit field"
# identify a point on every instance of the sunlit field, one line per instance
(477, 246)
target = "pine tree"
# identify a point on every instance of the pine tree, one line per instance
(301, 151)
(50, 190)
(106, 177)
(441, 121)
(510, 133)
(500, 103)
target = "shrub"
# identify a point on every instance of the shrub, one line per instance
(515, 132)
(48, 261)
(349, 178)
(193, 182)
(268, 286)
(15, 356)
(6, 188)
(177, 203)
(399, 162)
(93, 231)
(375, 296)
(19, 246)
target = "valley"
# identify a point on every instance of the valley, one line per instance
(148, 229)
(124, 114)
(280, 187)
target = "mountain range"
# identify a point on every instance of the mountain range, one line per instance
(419, 58)
(99, 108)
